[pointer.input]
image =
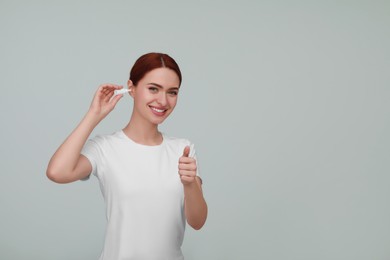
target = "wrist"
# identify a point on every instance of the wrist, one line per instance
(93, 118)
(190, 186)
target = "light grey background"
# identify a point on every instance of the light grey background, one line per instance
(286, 101)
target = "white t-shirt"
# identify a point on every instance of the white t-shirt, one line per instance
(143, 194)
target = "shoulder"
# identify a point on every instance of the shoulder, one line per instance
(179, 144)
(103, 139)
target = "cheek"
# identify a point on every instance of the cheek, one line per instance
(143, 96)
(173, 101)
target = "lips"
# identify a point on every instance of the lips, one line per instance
(158, 111)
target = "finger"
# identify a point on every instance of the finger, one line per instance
(100, 90)
(187, 173)
(99, 95)
(186, 151)
(106, 91)
(113, 87)
(111, 93)
(186, 160)
(107, 88)
(116, 99)
(187, 167)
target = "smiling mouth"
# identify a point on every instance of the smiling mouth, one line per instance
(158, 111)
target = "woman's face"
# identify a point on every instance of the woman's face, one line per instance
(155, 95)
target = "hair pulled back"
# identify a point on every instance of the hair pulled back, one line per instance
(151, 61)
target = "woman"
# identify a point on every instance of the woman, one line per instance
(149, 181)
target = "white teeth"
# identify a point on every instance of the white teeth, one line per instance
(158, 110)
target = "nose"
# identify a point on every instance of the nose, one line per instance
(162, 99)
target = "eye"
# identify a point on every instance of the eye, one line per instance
(153, 89)
(173, 93)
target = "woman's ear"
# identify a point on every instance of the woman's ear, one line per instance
(131, 87)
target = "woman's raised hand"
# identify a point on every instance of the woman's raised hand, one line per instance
(67, 164)
(187, 167)
(104, 102)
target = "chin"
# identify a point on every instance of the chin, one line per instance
(157, 121)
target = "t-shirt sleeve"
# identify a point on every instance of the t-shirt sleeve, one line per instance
(91, 151)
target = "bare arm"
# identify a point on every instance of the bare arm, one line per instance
(67, 164)
(195, 207)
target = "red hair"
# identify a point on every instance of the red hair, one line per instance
(151, 61)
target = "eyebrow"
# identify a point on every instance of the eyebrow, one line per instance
(159, 86)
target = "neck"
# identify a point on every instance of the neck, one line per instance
(142, 131)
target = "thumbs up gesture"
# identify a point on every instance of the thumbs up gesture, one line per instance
(187, 167)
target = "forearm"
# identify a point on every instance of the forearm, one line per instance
(195, 205)
(65, 158)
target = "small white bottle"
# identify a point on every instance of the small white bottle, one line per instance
(121, 91)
